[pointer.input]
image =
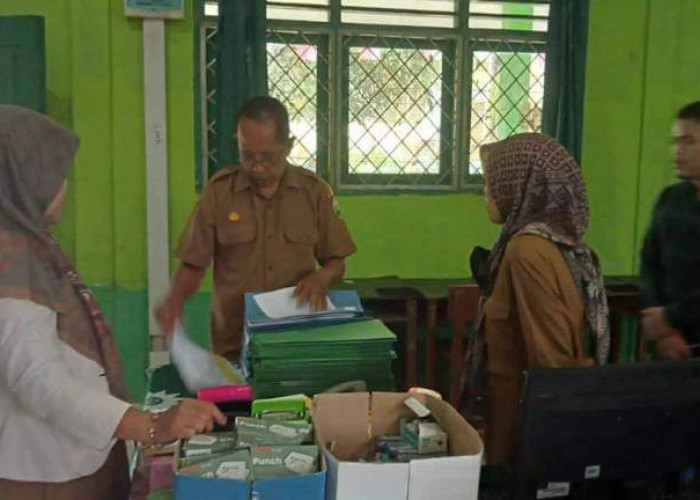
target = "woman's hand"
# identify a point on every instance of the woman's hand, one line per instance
(188, 418)
(179, 422)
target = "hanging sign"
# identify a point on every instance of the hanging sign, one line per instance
(159, 9)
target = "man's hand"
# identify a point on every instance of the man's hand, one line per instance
(312, 289)
(670, 342)
(186, 282)
(655, 325)
(673, 347)
(168, 313)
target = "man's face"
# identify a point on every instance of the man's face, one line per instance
(263, 155)
(686, 149)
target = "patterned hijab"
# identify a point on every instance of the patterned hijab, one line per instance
(538, 189)
(35, 156)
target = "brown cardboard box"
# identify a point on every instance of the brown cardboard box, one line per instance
(348, 426)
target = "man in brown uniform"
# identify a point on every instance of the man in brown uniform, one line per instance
(266, 224)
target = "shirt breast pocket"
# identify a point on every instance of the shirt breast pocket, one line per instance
(299, 221)
(234, 233)
(301, 235)
(236, 247)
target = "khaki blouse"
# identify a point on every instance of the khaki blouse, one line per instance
(533, 318)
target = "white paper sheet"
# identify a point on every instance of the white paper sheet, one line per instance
(198, 367)
(282, 304)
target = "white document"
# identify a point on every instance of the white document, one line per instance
(282, 304)
(198, 367)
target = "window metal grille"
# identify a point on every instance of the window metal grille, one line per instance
(397, 95)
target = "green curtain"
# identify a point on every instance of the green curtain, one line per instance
(241, 67)
(565, 73)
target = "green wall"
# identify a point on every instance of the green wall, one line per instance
(416, 236)
(642, 66)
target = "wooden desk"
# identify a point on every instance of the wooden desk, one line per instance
(376, 293)
(406, 296)
(433, 292)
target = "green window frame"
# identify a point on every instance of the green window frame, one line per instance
(465, 37)
(348, 180)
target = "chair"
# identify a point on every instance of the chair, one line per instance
(462, 307)
(625, 303)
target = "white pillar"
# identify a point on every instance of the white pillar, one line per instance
(156, 177)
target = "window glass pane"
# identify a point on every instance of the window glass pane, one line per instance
(394, 100)
(320, 3)
(507, 97)
(282, 13)
(491, 14)
(425, 5)
(424, 13)
(399, 19)
(211, 9)
(293, 78)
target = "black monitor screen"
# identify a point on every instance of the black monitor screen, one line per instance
(625, 421)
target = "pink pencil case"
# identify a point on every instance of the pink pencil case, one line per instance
(240, 392)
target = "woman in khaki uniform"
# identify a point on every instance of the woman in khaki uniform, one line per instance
(544, 287)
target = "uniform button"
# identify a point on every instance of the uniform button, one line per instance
(269, 236)
(269, 268)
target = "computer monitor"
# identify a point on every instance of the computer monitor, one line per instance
(623, 421)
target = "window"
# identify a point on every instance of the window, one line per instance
(507, 93)
(387, 95)
(298, 76)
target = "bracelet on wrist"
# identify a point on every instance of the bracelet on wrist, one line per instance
(150, 440)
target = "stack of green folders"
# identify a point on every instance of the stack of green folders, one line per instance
(310, 360)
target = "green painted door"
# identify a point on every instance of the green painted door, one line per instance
(23, 62)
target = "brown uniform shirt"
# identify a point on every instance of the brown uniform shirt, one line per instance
(260, 244)
(533, 318)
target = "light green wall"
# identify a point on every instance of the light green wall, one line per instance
(642, 67)
(95, 85)
(416, 236)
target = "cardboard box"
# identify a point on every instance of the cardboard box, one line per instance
(347, 427)
(308, 487)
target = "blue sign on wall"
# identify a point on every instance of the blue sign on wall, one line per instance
(154, 8)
